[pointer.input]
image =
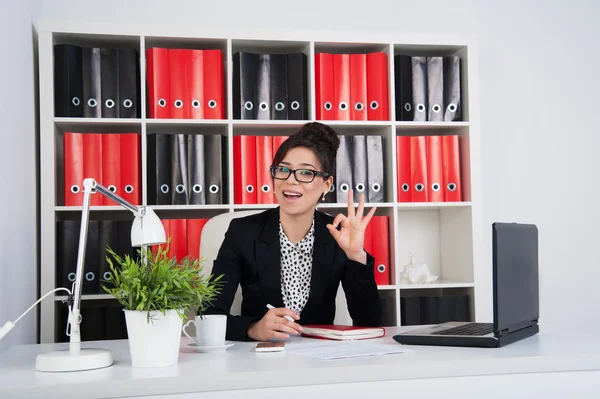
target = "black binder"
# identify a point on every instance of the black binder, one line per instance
(278, 87)
(403, 87)
(110, 82)
(244, 85)
(68, 81)
(129, 83)
(92, 91)
(159, 169)
(213, 169)
(297, 86)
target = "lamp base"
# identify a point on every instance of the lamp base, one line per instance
(63, 360)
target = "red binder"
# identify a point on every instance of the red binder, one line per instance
(130, 168)
(159, 97)
(244, 169)
(166, 225)
(264, 181)
(418, 167)
(368, 240)
(111, 166)
(195, 75)
(381, 249)
(277, 140)
(178, 233)
(179, 92)
(341, 86)
(358, 86)
(214, 106)
(434, 169)
(92, 163)
(452, 170)
(403, 173)
(73, 169)
(324, 91)
(377, 87)
(194, 232)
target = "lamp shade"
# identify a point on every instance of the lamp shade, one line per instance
(147, 230)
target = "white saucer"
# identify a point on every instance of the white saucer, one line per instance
(207, 349)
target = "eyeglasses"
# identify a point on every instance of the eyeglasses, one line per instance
(302, 175)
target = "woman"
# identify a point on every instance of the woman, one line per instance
(294, 257)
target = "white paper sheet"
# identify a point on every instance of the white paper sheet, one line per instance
(332, 350)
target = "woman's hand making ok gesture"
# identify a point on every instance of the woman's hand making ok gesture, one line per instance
(351, 236)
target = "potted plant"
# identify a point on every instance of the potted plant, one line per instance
(157, 292)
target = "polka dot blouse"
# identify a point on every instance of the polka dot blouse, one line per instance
(296, 269)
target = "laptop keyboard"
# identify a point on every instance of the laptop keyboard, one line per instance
(468, 329)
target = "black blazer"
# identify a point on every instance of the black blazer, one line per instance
(250, 256)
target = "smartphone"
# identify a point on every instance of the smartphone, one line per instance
(270, 347)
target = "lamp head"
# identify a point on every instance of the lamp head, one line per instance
(147, 229)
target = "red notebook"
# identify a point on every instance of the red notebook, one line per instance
(339, 332)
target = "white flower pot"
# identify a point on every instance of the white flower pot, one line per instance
(154, 342)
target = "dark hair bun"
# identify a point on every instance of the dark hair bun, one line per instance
(321, 135)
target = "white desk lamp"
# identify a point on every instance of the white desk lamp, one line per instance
(147, 229)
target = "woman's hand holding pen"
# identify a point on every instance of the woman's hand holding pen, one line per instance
(276, 323)
(351, 236)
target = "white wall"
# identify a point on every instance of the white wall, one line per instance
(539, 101)
(18, 259)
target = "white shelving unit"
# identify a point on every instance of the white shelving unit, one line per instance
(446, 236)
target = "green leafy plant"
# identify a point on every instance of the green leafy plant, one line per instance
(161, 283)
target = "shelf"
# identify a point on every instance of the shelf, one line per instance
(189, 207)
(367, 205)
(386, 287)
(107, 208)
(203, 126)
(98, 125)
(436, 285)
(418, 206)
(254, 206)
(443, 235)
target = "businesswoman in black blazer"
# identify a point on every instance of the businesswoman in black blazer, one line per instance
(294, 257)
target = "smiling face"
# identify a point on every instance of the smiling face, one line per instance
(294, 197)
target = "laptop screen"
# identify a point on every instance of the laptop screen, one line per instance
(515, 272)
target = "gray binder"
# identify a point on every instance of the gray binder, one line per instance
(359, 167)
(419, 86)
(263, 87)
(452, 89)
(375, 168)
(196, 186)
(213, 169)
(435, 86)
(179, 169)
(343, 169)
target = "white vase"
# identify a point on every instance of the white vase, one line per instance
(154, 342)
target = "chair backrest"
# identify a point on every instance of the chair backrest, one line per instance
(211, 239)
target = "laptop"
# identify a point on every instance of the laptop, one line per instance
(515, 295)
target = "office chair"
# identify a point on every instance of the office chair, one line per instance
(212, 236)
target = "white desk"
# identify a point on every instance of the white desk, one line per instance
(547, 365)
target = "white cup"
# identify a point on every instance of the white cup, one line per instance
(210, 329)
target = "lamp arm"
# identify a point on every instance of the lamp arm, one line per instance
(89, 186)
(95, 186)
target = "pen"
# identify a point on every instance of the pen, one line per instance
(286, 316)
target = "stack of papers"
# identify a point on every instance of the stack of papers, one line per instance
(331, 350)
